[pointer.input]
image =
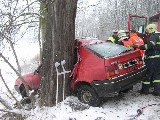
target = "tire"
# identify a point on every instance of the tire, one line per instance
(127, 90)
(87, 95)
(22, 91)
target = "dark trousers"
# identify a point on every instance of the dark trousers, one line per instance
(152, 75)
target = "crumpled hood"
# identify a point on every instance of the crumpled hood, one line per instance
(26, 77)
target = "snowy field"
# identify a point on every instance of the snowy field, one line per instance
(122, 107)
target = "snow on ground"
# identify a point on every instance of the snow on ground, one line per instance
(122, 107)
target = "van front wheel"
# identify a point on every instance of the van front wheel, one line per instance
(87, 95)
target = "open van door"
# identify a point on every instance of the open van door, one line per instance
(138, 23)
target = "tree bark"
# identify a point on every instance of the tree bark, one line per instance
(58, 45)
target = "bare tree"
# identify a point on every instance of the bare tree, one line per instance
(1, 100)
(112, 14)
(12, 18)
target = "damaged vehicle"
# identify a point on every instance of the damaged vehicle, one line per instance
(103, 69)
(32, 80)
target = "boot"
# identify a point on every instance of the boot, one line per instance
(155, 93)
(145, 89)
(156, 89)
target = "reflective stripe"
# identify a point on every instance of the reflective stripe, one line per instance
(146, 83)
(111, 39)
(129, 46)
(156, 81)
(158, 43)
(146, 47)
(153, 43)
(156, 56)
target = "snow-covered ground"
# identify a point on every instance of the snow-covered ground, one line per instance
(122, 107)
(119, 108)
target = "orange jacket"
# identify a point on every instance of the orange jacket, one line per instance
(136, 40)
(127, 43)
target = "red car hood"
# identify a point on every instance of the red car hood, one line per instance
(32, 80)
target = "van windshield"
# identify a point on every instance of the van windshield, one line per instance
(107, 50)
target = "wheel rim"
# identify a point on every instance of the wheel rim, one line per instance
(86, 96)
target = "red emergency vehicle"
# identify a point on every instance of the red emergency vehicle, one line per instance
(139, 23)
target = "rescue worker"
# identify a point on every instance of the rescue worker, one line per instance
(127, 34)
(136, 40)
(114, 37)
(152, 61)
(123, 38)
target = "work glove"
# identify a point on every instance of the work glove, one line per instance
(135, 46)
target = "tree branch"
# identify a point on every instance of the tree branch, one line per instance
(19, 106)
(10, 115)
(18, 74)
(5, 103)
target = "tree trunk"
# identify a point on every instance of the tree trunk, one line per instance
(42, 26)
(57, 46)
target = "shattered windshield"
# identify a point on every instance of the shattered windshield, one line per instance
(107, 50)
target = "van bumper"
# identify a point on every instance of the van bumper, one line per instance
(112, 87)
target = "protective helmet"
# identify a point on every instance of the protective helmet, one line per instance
(121, 33)
(115, 31)
(151, 28)
(127, 31)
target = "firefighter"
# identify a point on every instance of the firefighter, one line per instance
(127, 33)
(114, 37)
(136, 40)
(152, 61)
(123, 38)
